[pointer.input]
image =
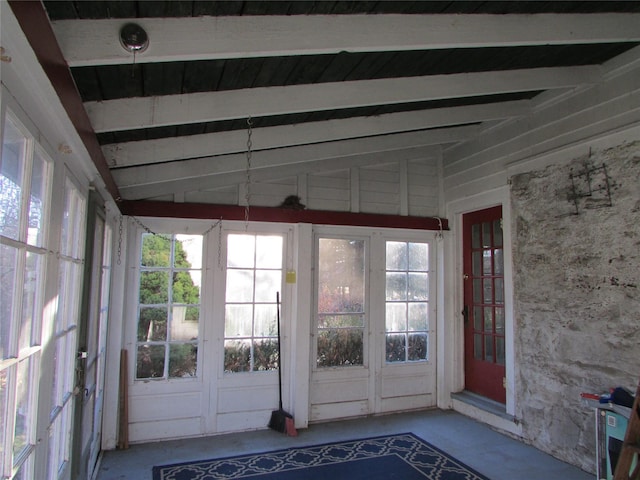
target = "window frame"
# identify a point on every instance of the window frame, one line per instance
(65, 328)
(22, 248)
(173, 233)
(429, 301)
(342, 234)
(256, 231)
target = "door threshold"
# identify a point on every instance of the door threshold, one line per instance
(486, 411)
(483, 403)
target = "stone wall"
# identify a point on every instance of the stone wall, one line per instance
(577, 294)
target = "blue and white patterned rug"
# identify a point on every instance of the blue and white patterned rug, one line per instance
(402, 457)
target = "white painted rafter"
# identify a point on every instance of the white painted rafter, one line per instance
(147, 112)
(220, 180)
(209, 172)
(95, 42)
(222, 143)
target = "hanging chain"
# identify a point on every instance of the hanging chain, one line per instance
(143, 226)
(247, 192)
(148, 230)
(220, 244)
(119, 260)
(204, 234)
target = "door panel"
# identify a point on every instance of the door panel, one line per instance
(376, 310)
(92, 345)
(484, 313)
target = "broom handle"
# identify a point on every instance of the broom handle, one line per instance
(279, 352)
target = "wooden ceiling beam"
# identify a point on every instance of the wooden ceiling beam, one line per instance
(147, 112)
(281, 215)
(224, 143)
(96, 42)
(286, 157)
(214, 179)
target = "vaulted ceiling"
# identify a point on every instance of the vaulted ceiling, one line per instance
(315, 78)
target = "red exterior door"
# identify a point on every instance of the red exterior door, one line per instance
(484, 327)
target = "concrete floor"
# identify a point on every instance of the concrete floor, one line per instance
(496, 456)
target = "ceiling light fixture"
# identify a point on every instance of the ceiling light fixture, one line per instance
(133, 38)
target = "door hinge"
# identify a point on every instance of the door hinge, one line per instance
(504, 382)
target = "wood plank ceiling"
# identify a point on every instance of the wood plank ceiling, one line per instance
(315, 75)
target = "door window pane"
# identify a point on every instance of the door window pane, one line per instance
(183, 360)
(407, 308)
(487, 269)
(269, 252)
(37, 197)
(33, 277)
(418, 317)
(396, 256)
(497, 233)
(150, 361)
(254, 279)
(341, 290)
(8, 266)
(240, 251)
(265, 351)
(475, 236)
(418, 257)
(417, 347)
(396, 286)
(498, 262)
(24, 412)
(418, 286)
(340, 348)
(152, 324)
(396, 347)
(396, 317)
(12, 182)
(168, 328)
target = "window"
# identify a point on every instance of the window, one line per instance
(65, 336)
(169, 306)
(407, 297)
(488, 292)
(254, 276)
(25, 184)
(341, 302)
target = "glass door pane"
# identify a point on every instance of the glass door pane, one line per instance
(341, 301)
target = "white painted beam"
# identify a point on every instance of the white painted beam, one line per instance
(222, 143)
(213, 172)
(95, 42)
(215, 180)
(142, 112)
(197, 167)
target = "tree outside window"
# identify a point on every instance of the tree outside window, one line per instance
(169, 306)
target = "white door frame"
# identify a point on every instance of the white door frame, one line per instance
(451, 355)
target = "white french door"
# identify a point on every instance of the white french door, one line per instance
(92, 346)
(373, 338)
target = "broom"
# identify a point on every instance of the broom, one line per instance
(281, 421)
